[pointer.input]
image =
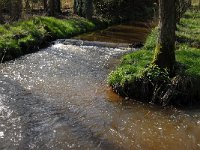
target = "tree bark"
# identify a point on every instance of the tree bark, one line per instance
(84, 8)
(51, 7)
(78, 7)
(89, 9)
(54, 7)
(16, 9)
(58, 6)
(164, 55)
(45, 5)
(1, 15)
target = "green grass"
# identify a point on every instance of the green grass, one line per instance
(20, 37)
(190, 58)
(187, 52)
(131, 67)
(189, 28)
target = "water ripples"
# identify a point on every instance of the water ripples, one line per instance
(57, 98)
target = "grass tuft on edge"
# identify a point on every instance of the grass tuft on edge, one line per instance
(26, 36)
(132, 68)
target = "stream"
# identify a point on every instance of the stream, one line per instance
(58, 98)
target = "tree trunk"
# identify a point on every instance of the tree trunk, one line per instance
(1, 15)
(58, 6)
(164, 55)
(75, 7)
(1, 18)
(45, 5)
(89, 9)
(53, 7)
(84, 8)
(16, 9)
(78, 7)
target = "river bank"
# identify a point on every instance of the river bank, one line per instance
(181, 90)
(58, 98)
(30, 35)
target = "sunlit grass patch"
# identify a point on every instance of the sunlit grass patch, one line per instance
(187, 52)
(190, 57)
(150, 43)
(131, 67)
(189, 29)
(22, 37)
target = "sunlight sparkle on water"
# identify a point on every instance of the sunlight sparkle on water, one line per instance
(1, 134)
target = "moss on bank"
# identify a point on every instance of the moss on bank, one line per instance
(135, 78)
(28, 36)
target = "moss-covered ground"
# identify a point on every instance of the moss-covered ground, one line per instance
(125, 79)
(27, 36)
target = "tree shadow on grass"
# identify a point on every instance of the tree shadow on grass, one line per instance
(189, 41)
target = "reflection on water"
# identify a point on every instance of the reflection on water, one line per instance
(132, 33)
(58, 99)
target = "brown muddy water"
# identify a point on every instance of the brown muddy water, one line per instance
(130, 33)
(58, 98)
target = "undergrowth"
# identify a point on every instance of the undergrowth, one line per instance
(134, 68)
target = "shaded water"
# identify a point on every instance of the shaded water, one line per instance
(132, 33)
(58, 99)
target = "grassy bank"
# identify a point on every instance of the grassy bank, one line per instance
(134, 77)
(28, 36)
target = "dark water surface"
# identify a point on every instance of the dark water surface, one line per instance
(58, 99)
(131, 33)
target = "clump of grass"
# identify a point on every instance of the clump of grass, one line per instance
(24, 37)
(150, 43)
(131, 67)
(190, 58)
(132, 75)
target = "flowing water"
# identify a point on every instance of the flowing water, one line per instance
(58, 99)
